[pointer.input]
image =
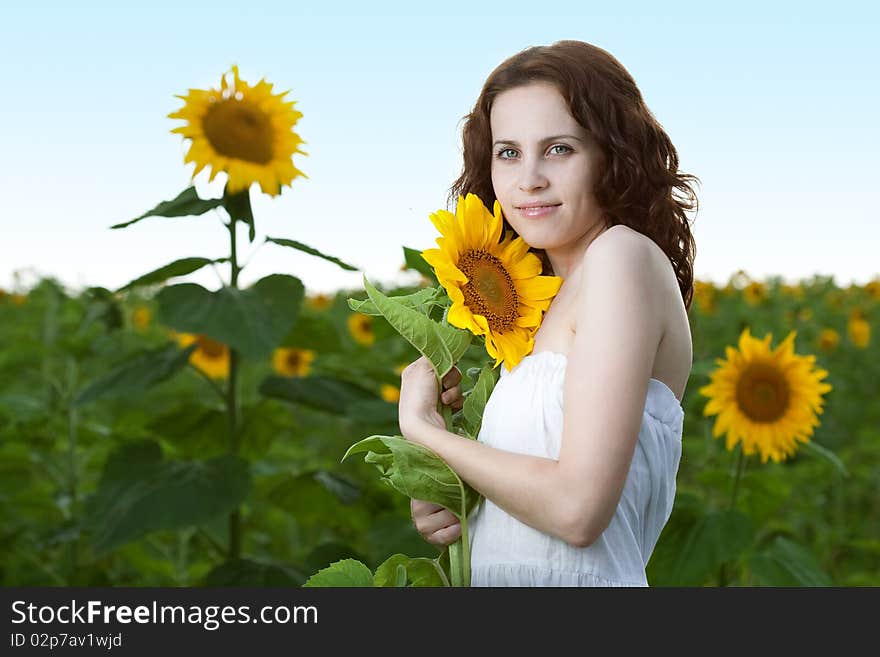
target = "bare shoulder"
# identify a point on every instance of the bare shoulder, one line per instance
(624, 252)
(633, 252)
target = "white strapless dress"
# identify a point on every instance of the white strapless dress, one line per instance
(524, 415)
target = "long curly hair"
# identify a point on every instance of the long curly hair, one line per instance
(639, 184)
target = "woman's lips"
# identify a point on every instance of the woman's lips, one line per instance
(539, 211)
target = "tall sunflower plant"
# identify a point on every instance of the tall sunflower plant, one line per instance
(247, 133)
(489, 289)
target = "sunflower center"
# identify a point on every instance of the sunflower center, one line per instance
(239, 129)
(293, 360)
(762, 392)
(490, 290)
(366, 325)
(210, 348)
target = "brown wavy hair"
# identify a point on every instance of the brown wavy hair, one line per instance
(639, 185)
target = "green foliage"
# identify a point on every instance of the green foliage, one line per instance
(139, 493)
(115, 466)
(254, 320)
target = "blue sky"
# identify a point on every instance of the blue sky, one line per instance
(772, 105)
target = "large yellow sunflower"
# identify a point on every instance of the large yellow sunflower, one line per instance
(210, 357)
(496, 289)
(766, 399)
(242, 130)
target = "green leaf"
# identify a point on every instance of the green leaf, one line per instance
(187, 203)
(253, 321)
(414, 260)
(177, 268)
(238, 206)
(317, 333)
(139, 493)
(442, 344)
(293, 244)
(137, 375)
(345, 573)
(417, 472)
(786, 563)
(400, 570)
(817, 450)
(475, 403)
(243, 572)
(717, 538)
(324, 393)
(422, 301)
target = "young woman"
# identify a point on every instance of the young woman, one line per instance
(580, 442)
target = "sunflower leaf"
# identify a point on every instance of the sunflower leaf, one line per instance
(441, 344)
(324, 393)
(177, 268)
(139, 492)
(293, 244)
(423, 301)
(417, 571)
(475, 402)
(417, 472)
(253, 321)
(822, 452)
(785, 563)
(186, 204)
(134, 376)
(344, 573)
(414, 260)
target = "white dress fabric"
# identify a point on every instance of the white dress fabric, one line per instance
(524, 415)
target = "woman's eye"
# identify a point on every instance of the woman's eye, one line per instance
(500, 154)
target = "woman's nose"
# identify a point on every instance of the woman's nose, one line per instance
(532, 177)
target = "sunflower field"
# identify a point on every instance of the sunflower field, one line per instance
(163, 434)
(133, 483)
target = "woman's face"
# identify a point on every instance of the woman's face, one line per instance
(540, 154)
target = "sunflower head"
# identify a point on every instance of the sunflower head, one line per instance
(289, 361)
(141, 317)
(496, 289)
(210, 357)
(755, 293)
(360, 326)
(767, 400)
(390, 393)
(245, 131)
(828, 339)
(859, 331)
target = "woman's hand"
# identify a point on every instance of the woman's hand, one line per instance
(436, 524)
(419, 394)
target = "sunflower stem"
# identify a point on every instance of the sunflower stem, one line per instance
(740, 463)
(459, 552)
(235, 526)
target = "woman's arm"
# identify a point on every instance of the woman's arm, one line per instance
(606, 381)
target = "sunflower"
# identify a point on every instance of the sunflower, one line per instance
(319, 301)
(211, 357)
(754, 293)
(496, 288)
(859, 331)
(828, 339)
(767, 400)
(141, 317)
(242, 130)
(289, 361)
(361, 328)
(705, 294)
(872, 287)
(390, 393)
(796, 291)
